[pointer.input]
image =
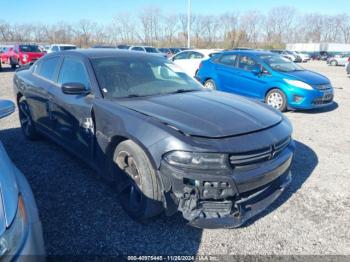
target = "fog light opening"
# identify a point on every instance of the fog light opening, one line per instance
(298, 99)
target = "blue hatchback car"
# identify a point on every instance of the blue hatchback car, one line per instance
(267, 77)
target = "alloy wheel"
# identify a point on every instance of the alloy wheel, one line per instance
(130, 185)
(209, 85)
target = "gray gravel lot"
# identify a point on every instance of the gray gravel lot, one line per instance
(80, 213)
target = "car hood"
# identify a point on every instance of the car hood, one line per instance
(8, 191)
(308, 77)
(209, 114)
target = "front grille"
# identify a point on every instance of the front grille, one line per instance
(260, 155)
(323, 87)
(323, 100)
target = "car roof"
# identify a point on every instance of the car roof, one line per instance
(105, 52)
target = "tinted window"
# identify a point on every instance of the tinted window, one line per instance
(48, 68)
(67, 47)
(195, 55)
(137, 48)
(229, 59)
(151, 50)
(55, 48)
(139, 76)
(183, 55)
(29, 48)
(247, 63)
(73, 71)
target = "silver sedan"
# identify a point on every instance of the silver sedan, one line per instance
(20, 228)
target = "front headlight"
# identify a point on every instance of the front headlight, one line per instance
(11, 240)
(208, 161)
(25, 57)
(298, 83)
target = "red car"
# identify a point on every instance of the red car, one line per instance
(21, 54)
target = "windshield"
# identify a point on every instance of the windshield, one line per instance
(280, 63)
(29, 48)
(121, 77)
(151, 50)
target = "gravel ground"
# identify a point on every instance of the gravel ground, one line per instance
(80, 213)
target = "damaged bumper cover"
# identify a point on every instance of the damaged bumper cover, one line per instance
(226, 199)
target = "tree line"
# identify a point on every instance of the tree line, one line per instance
(152, 26)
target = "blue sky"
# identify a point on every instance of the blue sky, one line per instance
(51, 11)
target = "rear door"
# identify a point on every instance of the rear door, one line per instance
(181, 59)
(72, 120)
(250, 83)
(226, 71)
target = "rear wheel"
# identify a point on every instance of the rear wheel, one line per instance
(138, 187)
(277, 99)
(210, 84)
(27, 124)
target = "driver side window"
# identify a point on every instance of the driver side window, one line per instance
(73, 71)
(248, 64)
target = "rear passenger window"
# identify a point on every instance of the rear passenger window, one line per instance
(73, 71)
(228, 59)
(48, 68)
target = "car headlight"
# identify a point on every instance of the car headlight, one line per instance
(25, 57)
(298, 83)
(211, 161)
(11, 240)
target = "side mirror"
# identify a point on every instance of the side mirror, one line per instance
(257, 72)
(75, 89)
(7, 107)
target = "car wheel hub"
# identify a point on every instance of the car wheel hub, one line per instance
(275, 100)
(209, 85)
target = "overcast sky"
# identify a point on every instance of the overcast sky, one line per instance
(51, 11)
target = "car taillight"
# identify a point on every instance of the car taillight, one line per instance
(349, 59)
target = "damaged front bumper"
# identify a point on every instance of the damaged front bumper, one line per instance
(225, 199)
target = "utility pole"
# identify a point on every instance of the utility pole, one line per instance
(189, 24)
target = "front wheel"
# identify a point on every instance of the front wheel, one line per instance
(277, 99)
(210, 84)
(138, 187)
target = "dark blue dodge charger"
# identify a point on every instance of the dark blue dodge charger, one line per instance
(166, 144)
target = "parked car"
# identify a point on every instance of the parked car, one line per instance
(267, 77)
(303, 56)
(338, 60)
(166, 51)
(147, 49)
(166, 142)
(21, 54)
(126, 47)
(322, 55)
(20, 228)
(60, 47)
(103, 46)
(189, 60)
(175, 50)
(292, 56)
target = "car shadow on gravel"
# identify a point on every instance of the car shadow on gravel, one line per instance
(304, 162)
(80, 212)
